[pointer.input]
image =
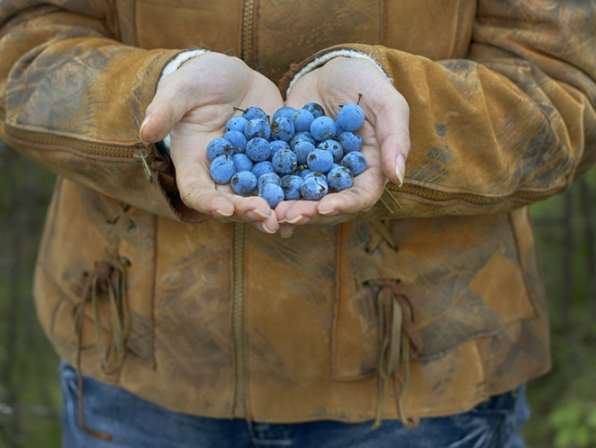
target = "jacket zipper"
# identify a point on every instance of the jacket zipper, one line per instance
(238, 320)
(474, 199)
(238, 305)
(47, 141)
(247, 31)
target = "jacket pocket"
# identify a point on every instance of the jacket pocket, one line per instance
(94, 280)
(460, 277)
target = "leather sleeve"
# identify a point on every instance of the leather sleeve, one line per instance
(511, 124)
(73, 98)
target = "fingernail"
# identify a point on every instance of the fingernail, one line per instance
(286, 235)
(266, 229)
(260, 213)
(331, 212)
(400, 168)
(222, 213)
(296, 219)
(145, 121)
(303, 221)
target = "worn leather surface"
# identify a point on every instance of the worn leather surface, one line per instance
(502, 98)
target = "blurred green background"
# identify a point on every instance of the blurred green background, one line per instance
(563, 402)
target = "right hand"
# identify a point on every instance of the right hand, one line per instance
(193, 105)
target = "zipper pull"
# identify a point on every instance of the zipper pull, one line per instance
(386, 199)
(143, 155)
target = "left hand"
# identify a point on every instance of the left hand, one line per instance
(385, 135)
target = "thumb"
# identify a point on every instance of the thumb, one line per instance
(166, 109)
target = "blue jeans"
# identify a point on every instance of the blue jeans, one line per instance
(136, 423)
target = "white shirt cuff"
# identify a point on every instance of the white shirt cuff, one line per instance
(322, 60)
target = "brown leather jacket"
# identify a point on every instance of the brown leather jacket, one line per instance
(379, 316)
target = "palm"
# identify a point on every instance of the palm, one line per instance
(339, 82)
(193, 105)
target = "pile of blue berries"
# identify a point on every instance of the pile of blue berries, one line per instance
(300, 153)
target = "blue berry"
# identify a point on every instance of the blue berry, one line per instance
(351, 117)
(272, 193)
(300, 137)
(304, 172)
(302, 120)
(355, 162)
(258, 149)
(340, 178)
(284, 161)
(334, 148)
(314, 188)
(338, 130)
(320, 161)
(302, 150)
(218, 147)
(268, 178)
(254, 112)
(257, 128)
(315, 109)
(291, 186)
(242, 162)
(285, 111)
(350, 141)
(261, 168)
(276, 145)
(315, 174)
(236, 124)
(282, 129)
(243, 183)
(236, 139)
(323, 128)
(222, 169)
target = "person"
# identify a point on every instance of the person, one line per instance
(406, 311)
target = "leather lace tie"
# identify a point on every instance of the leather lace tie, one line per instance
(400, 341)
(107, 281)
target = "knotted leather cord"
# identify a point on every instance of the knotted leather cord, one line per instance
(383, 232)
(108, 276)
(383, 229)
(399, 337)
(122, 215)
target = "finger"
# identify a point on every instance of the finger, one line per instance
(286, 230)
(281, 210)
(206, 199)
(390, 118)
(358, 198)
(254, 209)
(294, 213)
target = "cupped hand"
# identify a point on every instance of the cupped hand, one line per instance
(385, 135)
(193, 105)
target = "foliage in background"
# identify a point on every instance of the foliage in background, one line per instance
(563, 402)
(29, 393)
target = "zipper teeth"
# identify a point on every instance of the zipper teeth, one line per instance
(247, 32)
(99, 149)
(237, 316)
(475, 199)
